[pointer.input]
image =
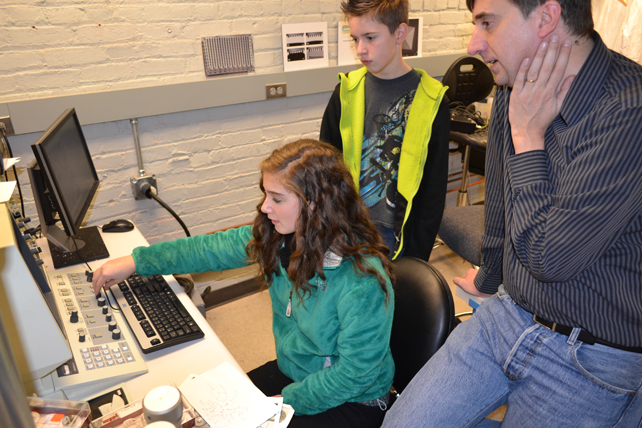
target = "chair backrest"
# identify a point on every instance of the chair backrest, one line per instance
(468, 80)
(461, 229)
(424, 317)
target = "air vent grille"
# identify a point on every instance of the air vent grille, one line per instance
(228, 54)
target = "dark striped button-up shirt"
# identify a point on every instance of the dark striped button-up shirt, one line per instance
(563, 225)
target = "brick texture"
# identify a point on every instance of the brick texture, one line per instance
(205, 161)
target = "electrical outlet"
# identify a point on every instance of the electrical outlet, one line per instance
(137, 185)
(275, 90)
(8, 126)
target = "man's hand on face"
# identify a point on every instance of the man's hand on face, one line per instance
(538, 93)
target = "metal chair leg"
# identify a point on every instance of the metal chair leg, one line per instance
(462, 196)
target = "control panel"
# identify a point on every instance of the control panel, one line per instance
(102, 347)
(103, 351)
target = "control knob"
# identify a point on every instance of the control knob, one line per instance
(101, 301)
(74, 317)
(115, 334)
(112, 326)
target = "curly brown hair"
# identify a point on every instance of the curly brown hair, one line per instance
(332, 218)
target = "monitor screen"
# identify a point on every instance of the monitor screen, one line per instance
(64, 182)
(63, 155)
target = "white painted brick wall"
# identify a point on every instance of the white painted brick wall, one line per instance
(206, 160)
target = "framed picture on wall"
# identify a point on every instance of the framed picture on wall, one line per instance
(347, 52)
(411, 48)
(305, 45)
(412, 45)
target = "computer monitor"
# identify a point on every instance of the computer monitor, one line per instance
(28, 309)
(64, 182)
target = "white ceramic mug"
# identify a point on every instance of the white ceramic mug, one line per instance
(163, 403)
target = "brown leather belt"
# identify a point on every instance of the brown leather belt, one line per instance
(584, 335)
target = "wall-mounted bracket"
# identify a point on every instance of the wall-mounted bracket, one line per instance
(137, 185)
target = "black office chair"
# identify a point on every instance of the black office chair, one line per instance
(469, 80)
(424, 317)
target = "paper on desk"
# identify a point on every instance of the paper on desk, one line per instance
(227, 399)
(9, 162)
(6, 190)
(273, 422)
(283, 416)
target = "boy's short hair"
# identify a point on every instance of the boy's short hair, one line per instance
(391, 13)
(576, 14)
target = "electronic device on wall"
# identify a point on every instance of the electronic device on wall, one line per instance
(64, 181)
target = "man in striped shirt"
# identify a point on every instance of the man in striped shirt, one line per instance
(560, 340)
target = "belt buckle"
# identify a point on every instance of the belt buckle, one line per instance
(543, 325)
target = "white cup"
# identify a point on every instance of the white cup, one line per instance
(161, 424)
(163, 403)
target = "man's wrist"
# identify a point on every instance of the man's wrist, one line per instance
(524, 144)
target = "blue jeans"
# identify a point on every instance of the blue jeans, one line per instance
(547, 379)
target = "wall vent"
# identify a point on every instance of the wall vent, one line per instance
(228, 54)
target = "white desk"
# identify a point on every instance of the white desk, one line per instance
(170, 365)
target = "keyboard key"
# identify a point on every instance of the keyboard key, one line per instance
(157, 315)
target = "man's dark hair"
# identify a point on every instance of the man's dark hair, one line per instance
(576, 14)
(391, 13)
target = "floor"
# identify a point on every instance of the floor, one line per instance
(245, 325)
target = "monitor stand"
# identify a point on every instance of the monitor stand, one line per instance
(93, 249)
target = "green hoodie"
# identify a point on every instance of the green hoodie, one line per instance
(345, 318)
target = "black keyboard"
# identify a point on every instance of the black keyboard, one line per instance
(155, 315)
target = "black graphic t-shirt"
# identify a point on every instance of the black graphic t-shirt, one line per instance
(387, 106)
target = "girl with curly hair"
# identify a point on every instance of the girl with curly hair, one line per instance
(328, 276)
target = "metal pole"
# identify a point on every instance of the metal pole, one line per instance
(139, 155)
(462, 196)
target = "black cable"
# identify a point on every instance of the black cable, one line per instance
(82, 259)
(150, 192)
(4, 149)
(178, 219)
(457, 108)
(186, 283)
(113, 308)
(206, 292)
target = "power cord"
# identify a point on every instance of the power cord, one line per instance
(457, 108)
(150, 192)
(206, 292)
(186, 283)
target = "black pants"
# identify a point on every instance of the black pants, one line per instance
(269, 379)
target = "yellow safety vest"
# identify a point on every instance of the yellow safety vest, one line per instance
(414, 148)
